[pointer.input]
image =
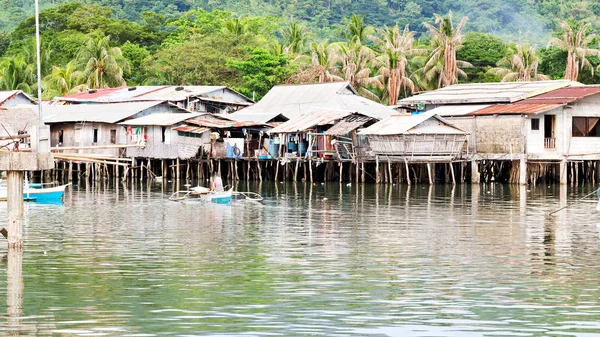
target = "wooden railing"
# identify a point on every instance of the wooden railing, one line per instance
(549, 143)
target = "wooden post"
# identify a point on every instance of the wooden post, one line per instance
(248, 171)
(259, 170)
(523, 171)
(407, 172)
(310, 169)
(563, 172)
(296, 170)
(429, 174)
(14, 180)
(452, 173)
(362, 174)
(70, 171)
(377, 176)
(357, 173)
(341, 171)
(390, 171)
(475, 174)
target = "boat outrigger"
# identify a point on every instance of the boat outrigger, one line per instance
(205, 194)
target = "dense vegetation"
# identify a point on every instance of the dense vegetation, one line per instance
(249, 46)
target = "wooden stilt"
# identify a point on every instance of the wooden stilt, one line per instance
(377, 175)
(259, 170)
(407, 172)
(452, 173)
(310, 169)
(390, 171)
(296, 170)
(362, 173)
(14, 181)
(341, 172)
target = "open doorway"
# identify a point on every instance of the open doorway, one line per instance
(549, 136)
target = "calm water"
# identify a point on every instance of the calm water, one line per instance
(322, 260)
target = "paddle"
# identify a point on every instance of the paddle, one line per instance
(597, 192)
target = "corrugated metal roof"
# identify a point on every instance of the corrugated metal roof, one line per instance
(191, 129)
(256, 117)
(347, 125)
(221, 122)
(517, 108)
(457, 110)
(160, 119)
(501, 92)
(564, 95)
(6, 95)
(100, 113)
(293, 100)
(311, 119)
(153, 93)
(408, 124)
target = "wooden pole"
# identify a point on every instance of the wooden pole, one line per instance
(377, 176)
(407, 172)
(390, 171)
(259, 170)
(296, 170)
(341, 171)
(310, 169)
(70, 170)
(452, 173)
(14, 180)
(362, 174)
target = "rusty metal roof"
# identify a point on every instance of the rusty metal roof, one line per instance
(191, 129)
(219, 122)
(563, 95)
(516, 109)
(313, 118)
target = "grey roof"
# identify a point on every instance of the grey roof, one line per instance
(457, 110)
(6, 95)
(100, 113)
(18, 118)
(412, 124)
(311, 119)
(255, 117)
(500, 92)
(293, 100)
(153, 93)
(160, 119)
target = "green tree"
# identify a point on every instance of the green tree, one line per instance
(445, 41)
(103, 66)
(261, 72)
(577, 45)
(16, 74)
(396, 47)
(64, 81)
(357, 31)
(520, 66)
(354, 62)
(135, 55)
(295, 37)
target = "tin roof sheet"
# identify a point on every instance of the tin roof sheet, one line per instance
(100, 113)
(409, 124)
(160, 119)
(6, 95)
(220, 122)
(564, 95)
(457, 110)
(191, 129)
(256, 117)
(500, 92)
(313, 118)
(347, 125)
(516, 108)
(294, 100)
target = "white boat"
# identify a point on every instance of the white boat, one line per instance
(203, 194)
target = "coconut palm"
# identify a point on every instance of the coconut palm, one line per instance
(520, 66)
(353, 63)
(356, 29)
(64, 81)
(577, 45)
(445, 41)
(236, 27)
(396, 47)
(295, 37)
(16, 74)
(102, 65)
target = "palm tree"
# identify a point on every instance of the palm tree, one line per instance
(396, 46)
(357, 30)
(446, 40)
(576, 44)
(16, 74)
(102, 65)
(64, 81)
(294, 37)
(236, 27)
(354, 62)
(520, 66)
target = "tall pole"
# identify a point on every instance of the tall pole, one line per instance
(39, 62)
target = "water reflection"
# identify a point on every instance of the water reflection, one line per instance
(312, 259)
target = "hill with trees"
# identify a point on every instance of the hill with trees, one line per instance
(396, 48)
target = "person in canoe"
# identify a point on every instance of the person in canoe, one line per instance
(216, 183)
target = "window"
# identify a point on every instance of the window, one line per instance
(586, 127)
(95, 139)
(61, 136)
(163, 129)
(535, 124)
(113, 136)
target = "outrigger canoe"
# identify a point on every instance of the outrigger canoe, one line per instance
(41, 195)
(203, 194)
